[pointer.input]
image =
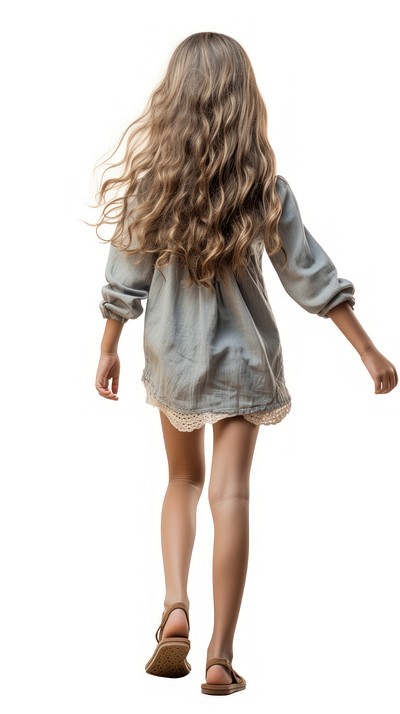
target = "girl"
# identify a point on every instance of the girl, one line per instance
(200, 202)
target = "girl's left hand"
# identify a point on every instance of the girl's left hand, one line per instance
(109, 367)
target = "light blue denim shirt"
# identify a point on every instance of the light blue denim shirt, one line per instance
(219, 350)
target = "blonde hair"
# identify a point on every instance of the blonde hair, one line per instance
(198, 173)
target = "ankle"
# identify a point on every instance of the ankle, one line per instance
(172, 601)
(223, 653)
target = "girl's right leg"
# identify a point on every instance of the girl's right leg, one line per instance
(234, 442)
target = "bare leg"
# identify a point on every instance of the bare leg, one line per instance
(186, 462)
(234, 443)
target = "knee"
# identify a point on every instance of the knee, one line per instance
(191, 479)
(226, 492)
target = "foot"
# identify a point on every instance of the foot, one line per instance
(176, 625)
(218, 674)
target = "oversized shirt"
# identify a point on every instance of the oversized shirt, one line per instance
(219, 351)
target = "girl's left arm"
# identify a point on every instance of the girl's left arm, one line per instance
(109, 364)
(112, 333)
(128, 284)
(382, 371)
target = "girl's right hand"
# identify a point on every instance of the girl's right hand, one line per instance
(381, 370)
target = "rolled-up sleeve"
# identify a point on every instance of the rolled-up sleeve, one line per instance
(128, 282)
(309, 276)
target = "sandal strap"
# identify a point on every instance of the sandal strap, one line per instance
(225, 663)
(166, 613)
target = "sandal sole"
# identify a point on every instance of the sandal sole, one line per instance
(221, 689)
(169, 658)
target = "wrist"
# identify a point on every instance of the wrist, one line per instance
(108, 347)
(367, 350)
(108, 350)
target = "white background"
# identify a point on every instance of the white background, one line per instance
(83, 478)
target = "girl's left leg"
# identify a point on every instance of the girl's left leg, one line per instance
(186, 463)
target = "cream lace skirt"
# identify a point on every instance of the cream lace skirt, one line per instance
(184, 421)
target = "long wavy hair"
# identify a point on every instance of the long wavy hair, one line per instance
(198, 173)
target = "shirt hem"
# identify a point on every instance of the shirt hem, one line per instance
(190, 420)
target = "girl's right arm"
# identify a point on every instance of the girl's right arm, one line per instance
(381, 370)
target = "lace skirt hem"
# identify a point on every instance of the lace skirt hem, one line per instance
(184, 421)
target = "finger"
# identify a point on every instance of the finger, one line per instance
(107, 394)
(393, 378)
(381, 387)
(387, 385)
(393, 381)
(101, 385)
(115, 384)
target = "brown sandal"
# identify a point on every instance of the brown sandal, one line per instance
(236, 685)
(169, 657)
